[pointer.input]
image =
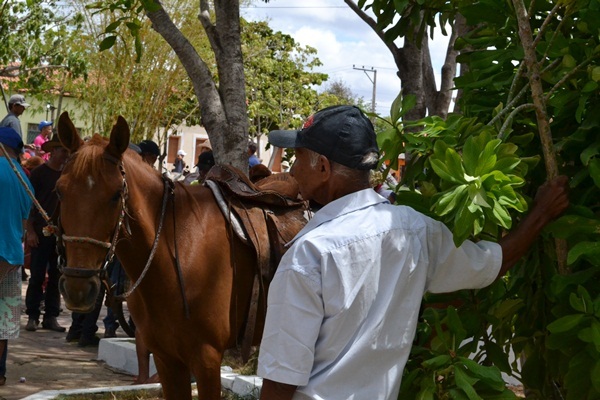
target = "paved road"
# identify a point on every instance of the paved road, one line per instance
(48, 362)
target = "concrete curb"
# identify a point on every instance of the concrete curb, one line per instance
(119, 353)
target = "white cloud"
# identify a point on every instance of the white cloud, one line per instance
(342, 40)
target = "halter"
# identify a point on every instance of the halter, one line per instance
(110, 246)
(169, 188)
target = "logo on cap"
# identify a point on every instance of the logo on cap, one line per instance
(308, 123)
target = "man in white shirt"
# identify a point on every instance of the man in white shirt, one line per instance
(344, 302)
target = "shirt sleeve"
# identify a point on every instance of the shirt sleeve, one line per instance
(294, 316)
(470, 266)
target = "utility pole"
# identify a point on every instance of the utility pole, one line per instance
(373, 81)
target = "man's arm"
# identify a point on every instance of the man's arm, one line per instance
(550, 201)
(272, 390)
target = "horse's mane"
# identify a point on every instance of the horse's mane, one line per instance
(88, 158)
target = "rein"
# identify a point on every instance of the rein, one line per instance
(111, 246)
(169, 189)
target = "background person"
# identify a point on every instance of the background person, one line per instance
(179, 164)
(15, 204)
(16, 107)
(150, 151)
(252, 159)
(344, 303)
(44, 258)
(45, 128)
(206, 161)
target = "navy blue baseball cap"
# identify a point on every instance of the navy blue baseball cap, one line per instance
(11, 138)
(149, 146)
(343, 134)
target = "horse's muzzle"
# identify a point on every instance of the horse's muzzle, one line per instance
(80, 292)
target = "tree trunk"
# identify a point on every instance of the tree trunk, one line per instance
(223, 109)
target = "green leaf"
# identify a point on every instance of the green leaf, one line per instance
(595, 376)
(596, 74)
(449, 201)
(569, 225)
(396, 108)
(577, 303)
(489, 375)
(487, 159)
(497, 356)
(465, 383)
(107, 43)
(442, 170)
(456, 326)
(594, 168)
(589, 250)
(112, 27)
(565, 323)
(437, 362)
(471, 152)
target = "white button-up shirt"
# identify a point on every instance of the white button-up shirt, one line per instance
(344, 302)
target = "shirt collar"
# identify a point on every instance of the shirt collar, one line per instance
(344, 205)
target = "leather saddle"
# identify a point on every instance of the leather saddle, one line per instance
(265, 216)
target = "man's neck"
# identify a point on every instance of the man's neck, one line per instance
(53, 164)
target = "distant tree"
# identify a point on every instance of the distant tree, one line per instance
(279, 78)
(343, 92)
(36, 44)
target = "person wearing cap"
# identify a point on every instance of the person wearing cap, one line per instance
(44, 258)
(16, 107)
(15, 204)
(344, 302)
(206, 161)
(252, 159)
(150, 151)
(45, 128)
(179, 164)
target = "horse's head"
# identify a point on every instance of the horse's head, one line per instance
(92, 191)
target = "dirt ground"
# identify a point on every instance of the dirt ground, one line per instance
(48, 362)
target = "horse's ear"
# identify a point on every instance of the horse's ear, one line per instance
(119, 138)
(67, 133)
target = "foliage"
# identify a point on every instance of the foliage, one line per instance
(36, 45)
(279, 78)
(548, 318)
(154, 94)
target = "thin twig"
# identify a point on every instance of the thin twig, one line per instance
(512, 115)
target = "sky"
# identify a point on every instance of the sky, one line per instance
(343, 42)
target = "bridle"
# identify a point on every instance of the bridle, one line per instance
(111, 246)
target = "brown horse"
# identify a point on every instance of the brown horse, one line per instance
(110, 199)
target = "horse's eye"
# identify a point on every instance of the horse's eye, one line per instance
(116, 197)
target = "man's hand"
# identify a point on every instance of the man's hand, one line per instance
(32, 238)
(551, 200)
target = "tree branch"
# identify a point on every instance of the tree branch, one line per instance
(209, 27)
(197, 70)
(537, 95)
(396, 52)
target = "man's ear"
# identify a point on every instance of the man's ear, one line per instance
(324, 167)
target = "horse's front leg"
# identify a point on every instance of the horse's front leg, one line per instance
(175, 378)
(206, 367)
